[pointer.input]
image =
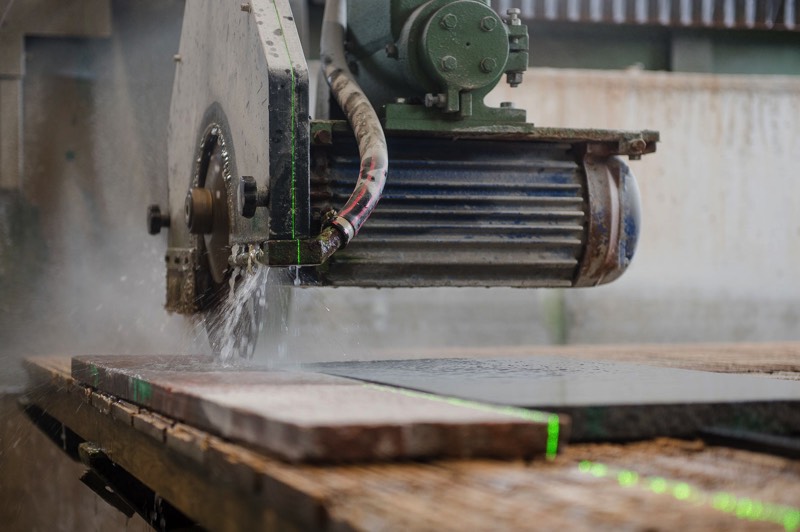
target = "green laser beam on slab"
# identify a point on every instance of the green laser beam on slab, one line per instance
(534, 416)
(743, 508)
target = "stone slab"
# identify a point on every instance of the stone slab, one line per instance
(303, 416)
(606, 401)
(655, 485)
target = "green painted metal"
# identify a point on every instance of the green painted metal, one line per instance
(462, 46)
(432, 62)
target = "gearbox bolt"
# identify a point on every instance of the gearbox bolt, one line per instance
(449, 21)
(488, 64)
(514, 78)
(449, 63)
(435, 100)
(488, 23)
(513, 16)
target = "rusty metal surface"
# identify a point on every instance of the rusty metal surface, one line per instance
(605, 401)
(302, 416)
(615, 142)
(477, 212)
(613, 223)
(460, 213)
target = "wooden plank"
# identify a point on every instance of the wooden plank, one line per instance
(301, 416)
(588, 487)
(201, 478)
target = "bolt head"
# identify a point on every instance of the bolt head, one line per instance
(449, 63)
(514, 78)
(513, 15)
(637, 145)
(449, 21)
(248, 196)
(435, 100)
(154, 219)
(246, 7)
(488, 23)
(488, 64)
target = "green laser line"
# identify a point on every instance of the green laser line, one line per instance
(292, 129)
(534, 416)
(740, 507)
(552, 436)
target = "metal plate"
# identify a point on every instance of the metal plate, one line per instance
(605, 400)
(246, 71)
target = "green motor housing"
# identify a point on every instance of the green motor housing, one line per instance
(442, 55)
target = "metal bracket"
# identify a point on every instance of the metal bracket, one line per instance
(112, 483)
(306, 252)
(126, 493)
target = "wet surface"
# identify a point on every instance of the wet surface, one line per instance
(303, 416)
(605, 400)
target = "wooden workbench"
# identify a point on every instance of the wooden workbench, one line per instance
(661, 484)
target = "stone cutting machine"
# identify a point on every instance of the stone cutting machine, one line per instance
(406, 179)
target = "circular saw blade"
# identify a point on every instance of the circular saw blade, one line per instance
(243, 70)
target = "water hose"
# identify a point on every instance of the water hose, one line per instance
(363, 120)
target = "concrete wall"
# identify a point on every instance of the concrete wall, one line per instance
(721, 238)
(78, 272)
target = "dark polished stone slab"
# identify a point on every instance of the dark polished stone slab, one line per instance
(604, 400)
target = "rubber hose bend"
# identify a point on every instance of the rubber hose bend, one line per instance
(362, 118)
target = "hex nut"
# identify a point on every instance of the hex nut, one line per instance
(514, 78)
(449, 63)
(513, 15)
(449, 21)
(488, 23)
